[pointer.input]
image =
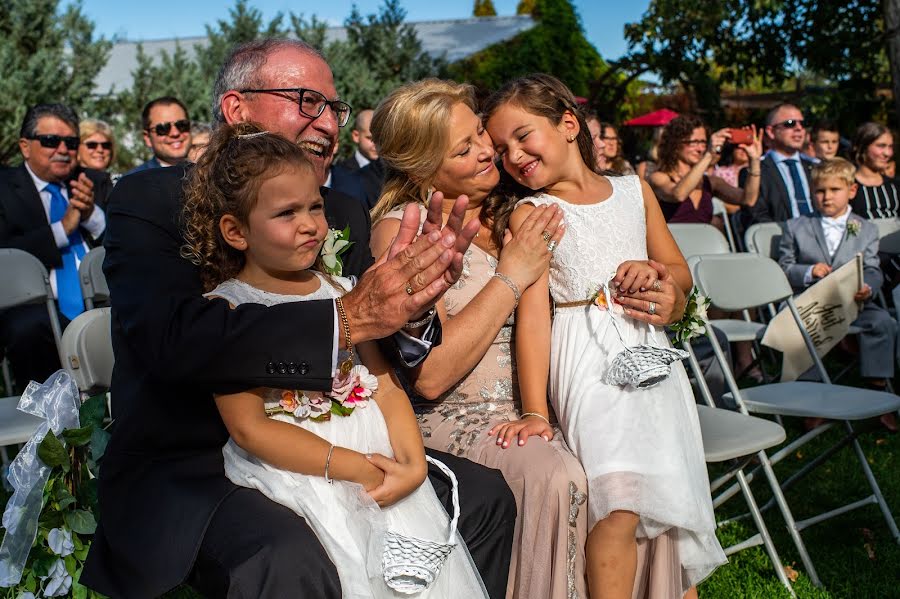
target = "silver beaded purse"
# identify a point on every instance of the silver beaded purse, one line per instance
(641, 366)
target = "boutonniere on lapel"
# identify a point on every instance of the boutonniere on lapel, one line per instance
(336, 243)
(852, 228)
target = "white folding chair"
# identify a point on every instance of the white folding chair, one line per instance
(93, 282)
(696, 239)
(25, 281)
(87, 347)
(728, 436)
(886, 226)
(720, 210)
(763, 238)
(744, 281)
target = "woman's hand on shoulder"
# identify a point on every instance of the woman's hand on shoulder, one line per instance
(529, 426)
(526, 253)
(399, 479)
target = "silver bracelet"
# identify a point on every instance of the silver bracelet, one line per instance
(429, 316)
(541, 416)
(511, 285)
(328, 479)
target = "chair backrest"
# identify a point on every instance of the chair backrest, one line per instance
(87, 348)
(720, 210)
(93, 282)
(25, 280)
(886, 226)
(890, 243)
(698, 239)
(763, 238)
(741, 281)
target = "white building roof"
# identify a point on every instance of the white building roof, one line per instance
(455, 39)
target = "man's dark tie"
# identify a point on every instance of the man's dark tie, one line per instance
(803, 207)
(68, 287)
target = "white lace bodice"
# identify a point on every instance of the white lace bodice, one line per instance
(599, 237)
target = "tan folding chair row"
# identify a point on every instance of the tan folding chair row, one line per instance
(746, 281)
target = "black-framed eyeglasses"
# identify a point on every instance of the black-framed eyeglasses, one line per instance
(162, 129)
(93, 145)
(53, 141)
(791, 124)
(312, 103)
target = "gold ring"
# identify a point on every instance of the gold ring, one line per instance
(547, 236)
(409, 289)
(656, 285)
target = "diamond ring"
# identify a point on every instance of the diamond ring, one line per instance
(656, 285)
(551, 246)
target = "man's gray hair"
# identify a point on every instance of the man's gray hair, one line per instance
(39, 111)
(242, 68)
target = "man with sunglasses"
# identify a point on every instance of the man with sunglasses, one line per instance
(784, 190)
(170, 515)
(167, 131)
(47, 209)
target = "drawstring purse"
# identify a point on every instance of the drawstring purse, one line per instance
(642, 366)
(411, 564)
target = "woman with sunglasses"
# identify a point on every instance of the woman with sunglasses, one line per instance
(686, 152)
(97, 150)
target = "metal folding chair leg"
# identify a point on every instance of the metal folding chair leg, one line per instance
(763, 532)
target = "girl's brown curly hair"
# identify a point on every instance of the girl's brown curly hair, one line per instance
(677, 132)
(226, 180)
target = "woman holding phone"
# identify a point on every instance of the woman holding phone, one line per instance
(686, 152)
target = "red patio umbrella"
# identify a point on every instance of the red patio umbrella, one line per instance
(657, 118)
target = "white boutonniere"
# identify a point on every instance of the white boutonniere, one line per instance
(336, 243)
(693, 322)
(853, 228)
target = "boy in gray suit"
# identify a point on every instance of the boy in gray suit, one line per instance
(814, 245)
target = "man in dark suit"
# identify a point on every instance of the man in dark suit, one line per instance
(364, 184)
(167, 132)
(169, 514)
(365, 151)
(784, 190)
(47, 209)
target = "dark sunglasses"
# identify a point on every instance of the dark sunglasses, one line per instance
(790, 123)
(93, 145)
(53, 141)
(163, 129)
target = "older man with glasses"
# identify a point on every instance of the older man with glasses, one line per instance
(169, 514)
(784, 190)
(167, 132)
(47, 209)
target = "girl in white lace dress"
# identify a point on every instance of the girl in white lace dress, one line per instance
(641, 449)
(350, 461)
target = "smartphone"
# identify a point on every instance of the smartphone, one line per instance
(741, 137)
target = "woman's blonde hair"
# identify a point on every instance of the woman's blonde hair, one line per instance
(410, 130)
(226, 180)
(88, 127)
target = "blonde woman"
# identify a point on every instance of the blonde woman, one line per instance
(98, 145)
(430, 138)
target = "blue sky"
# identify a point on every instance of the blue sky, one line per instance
(602, 19)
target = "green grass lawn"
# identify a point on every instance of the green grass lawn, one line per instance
(854, 554)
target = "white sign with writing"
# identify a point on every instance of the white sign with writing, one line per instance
(827, 309)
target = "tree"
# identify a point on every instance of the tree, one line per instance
(381, 53)
(45, 56)
(704, 45)
(484, 8)
(892, 25)
(525, 7)
(556, 44)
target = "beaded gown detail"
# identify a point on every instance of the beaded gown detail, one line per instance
(347, 522)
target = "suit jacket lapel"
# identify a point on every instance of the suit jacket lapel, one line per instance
(784, 204)
(31, 199)
(819, 233)
(847, 246)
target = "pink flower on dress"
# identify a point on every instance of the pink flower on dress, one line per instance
(354, 389)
